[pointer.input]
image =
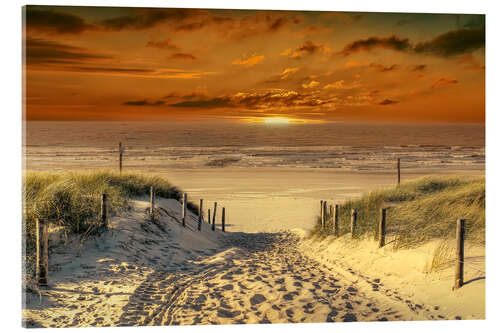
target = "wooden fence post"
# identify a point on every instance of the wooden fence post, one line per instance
(42, 252)
(381, 228)
(322, 214)
(459, 272)
(200, 214)
(223, 219)
(104, 210)
(354, 218)
(336, 220)
(399, 171)
(152, 202)
(213, 217)
(120, 152)
(209, 216)
(184, 208)
(330, 212)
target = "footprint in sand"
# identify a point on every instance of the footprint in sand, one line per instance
(348, 317)
(257, 299)
(227, 314)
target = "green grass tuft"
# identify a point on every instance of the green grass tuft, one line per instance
(419, 211)
(72, 200)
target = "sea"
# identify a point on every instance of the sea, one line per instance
(188, 145)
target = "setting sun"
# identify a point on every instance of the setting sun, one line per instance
(276, 121)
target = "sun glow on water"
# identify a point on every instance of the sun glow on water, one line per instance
(276, 121)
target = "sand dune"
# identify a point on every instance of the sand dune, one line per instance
(144, 273)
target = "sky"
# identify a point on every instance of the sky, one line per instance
(172, 64)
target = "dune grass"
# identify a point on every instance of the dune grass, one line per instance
(419, 211)
(72, 200)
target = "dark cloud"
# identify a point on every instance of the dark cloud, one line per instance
(113, 70)
(275, 98)
(453, 43)
(392, 43)
(442, 82)
(307, 48)
(163, 44)
(218, 102)
(41, 51)
(55, 22)
(449, 44)
(189, 96)
(189, 20)
(387, 102)
(382, 68)
(144, 102)
(278, 98)
(183, 56)
(419, 68)
(145, 18)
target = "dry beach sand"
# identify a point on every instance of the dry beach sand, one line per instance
(145, 273)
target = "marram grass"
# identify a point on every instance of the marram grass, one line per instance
(72, 200)
(419, 211)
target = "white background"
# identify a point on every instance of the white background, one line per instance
(10, 185)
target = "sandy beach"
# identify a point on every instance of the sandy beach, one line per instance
(144, 273)
(273, 199)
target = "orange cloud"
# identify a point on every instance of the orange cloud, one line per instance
(289, 71)
(311, 84)
(340, 84)
(335, 85)
(249, 62)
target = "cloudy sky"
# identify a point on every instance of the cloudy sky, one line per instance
(98, 63)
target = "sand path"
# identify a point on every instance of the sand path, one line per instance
(264, 278)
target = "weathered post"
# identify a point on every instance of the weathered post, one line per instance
(42, 252)
(381, 228)
(459, 272)
(399, 171)
(209, 216)
(120, 152)
(322, 215)
(104, 210)
(200, 214)
(354, 218)
(184, 208)
(223, 219)
(152, 202)
(213, 217)
(336, 220)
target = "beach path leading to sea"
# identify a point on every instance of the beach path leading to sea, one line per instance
(144, 273)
